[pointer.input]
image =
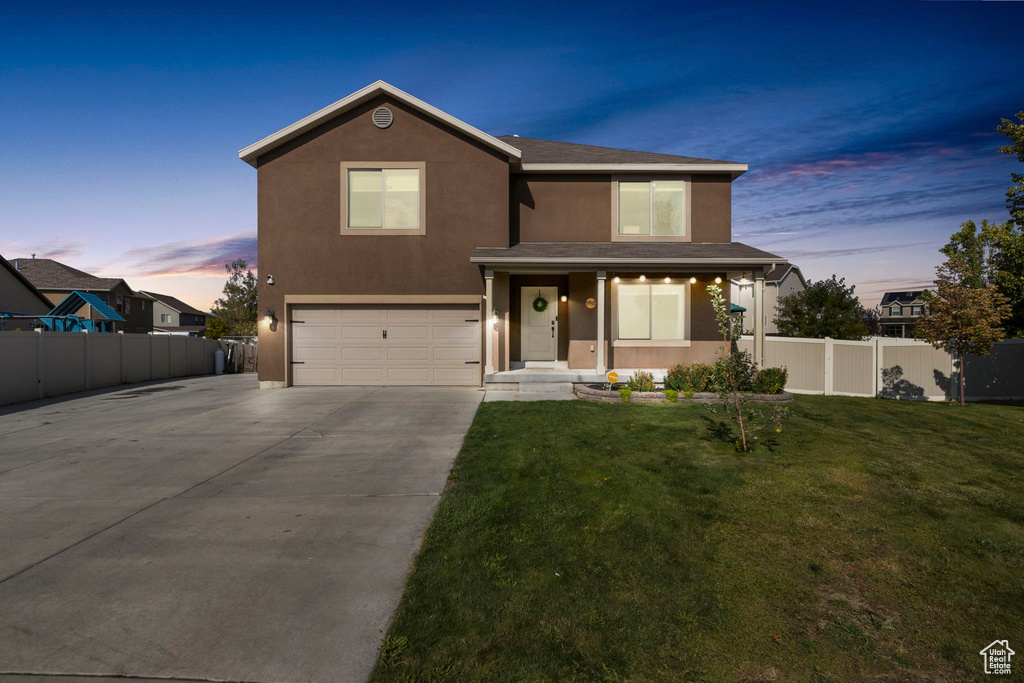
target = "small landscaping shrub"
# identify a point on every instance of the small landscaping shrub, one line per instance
(624, 392)
(692, 378)
(771, 381)
(672, 395)
(642, 381)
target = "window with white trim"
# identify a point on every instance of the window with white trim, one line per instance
(915, 310)
(651, 312)
(165, 317)
(652, 208)
(895, 310)
(383, 198)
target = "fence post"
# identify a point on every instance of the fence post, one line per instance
(85, 355)
(879, 364)
(39, 370)
(120, 346)
(188, 357)
(828, 366)
(874, 367)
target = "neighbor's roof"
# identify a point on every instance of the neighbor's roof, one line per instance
(901, 297)
(18, 275)
(548, 155)
(46, 273)
(626, 253)
(75, 300)
(779, 273)
(253, 151)
(176, 304)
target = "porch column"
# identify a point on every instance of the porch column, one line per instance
(601, 275)
(489, 322)
(759, 317)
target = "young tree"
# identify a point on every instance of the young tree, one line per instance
(827, 308)
(215, 328)
(962, 318)
(732, 372)
(237, 311)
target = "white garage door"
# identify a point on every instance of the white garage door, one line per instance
(394, 344)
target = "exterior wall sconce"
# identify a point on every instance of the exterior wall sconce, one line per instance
(564, 298)
(270, 279)
(269, 318)
(615, 279)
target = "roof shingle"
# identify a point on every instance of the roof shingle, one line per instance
(46, 273)
(623, 252)
(551, 152)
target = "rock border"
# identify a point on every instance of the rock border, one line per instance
(601, 396)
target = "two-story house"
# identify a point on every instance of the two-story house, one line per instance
(400, 245)
(57, 280)
(899, 313)
(173, 316)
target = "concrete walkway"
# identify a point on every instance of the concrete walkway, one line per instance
(202, 529)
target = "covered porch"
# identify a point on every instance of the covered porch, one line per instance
(561, 313)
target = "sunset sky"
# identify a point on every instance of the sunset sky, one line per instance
(869, 127)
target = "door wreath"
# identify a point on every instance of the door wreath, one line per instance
(540, 304)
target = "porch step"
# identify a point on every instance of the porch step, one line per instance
(545, 388)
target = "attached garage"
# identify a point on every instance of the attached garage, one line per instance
(353, 344)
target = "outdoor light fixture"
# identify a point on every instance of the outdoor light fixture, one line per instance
(642, 278)
(668, 280)
(718, 280)
(616, 279)
(693, 280)
(565, 298)
(270, 279)
(270, 316)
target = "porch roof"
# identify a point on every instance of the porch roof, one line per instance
(618, 254)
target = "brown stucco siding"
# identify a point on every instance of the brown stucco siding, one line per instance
(299, 195)
(578, 208)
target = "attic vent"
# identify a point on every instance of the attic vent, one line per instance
(382, 117)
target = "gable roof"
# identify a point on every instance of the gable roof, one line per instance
(777, 274)
(75, 300)
(549, 155)
(175, 304)
(46, 273)
(252, 152)
(901, 297)
(20, 277)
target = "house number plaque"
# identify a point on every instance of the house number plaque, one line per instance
(591, 303)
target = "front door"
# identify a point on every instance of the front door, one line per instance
(539, 327)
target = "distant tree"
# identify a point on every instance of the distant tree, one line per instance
(215, 328)
(962, 318)
(237, 311)
(1014, 132)
(872, 319)
(827, 308)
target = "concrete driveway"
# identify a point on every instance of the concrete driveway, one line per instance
(203, 529)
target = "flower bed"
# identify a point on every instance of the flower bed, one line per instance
(600, 395)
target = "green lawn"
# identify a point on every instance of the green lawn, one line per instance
(582, 541)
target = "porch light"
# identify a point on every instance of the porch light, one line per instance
(615, 279)
(718, 280)
(642, 278)
(668, 280)
(269, 318)
(565, 298)
(693, 280)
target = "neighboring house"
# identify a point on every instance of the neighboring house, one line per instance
(56, 281)
(899, 313)
(399, 245)
(174, 316)
(779, 282)
(18, 296)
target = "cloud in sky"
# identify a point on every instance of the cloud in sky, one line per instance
(191, 258)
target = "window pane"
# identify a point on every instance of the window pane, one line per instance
(364, 199)
(895, 310)
(634, 208)
(634, 312)
(668, 206)
(401, 198)
(667, 311)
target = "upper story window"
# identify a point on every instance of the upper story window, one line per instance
(915, 310)
(384, 196)
(895, 310)
(650, 209)
(165, 317)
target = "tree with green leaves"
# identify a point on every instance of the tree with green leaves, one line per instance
(237, 311)
(827, 308)
(962, 318)
(1014, 132)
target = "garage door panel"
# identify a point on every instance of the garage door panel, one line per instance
(346, 344)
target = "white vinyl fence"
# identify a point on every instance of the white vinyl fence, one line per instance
(41, 364)
(892, 368)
